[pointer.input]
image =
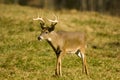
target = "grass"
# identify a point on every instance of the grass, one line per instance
(23, 57)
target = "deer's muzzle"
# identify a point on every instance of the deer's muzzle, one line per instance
(40, 38)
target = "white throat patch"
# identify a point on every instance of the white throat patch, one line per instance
(49, 39)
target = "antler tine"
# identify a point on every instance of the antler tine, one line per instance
(38, 18)
(53, 21)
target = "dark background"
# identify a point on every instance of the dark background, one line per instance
(103, 6)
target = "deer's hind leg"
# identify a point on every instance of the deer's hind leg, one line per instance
(83, 58)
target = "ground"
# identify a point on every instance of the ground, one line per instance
(23, 57)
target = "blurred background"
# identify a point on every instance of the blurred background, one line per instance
(103, 6)
(23, 57)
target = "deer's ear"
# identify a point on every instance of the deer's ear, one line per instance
(51, 28)
(42, 25)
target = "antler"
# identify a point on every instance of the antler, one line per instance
(38, 18)
(54, 22)
(42, 21)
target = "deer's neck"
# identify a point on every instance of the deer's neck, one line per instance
(55, 41)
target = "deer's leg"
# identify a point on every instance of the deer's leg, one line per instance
(58, 65)
(85, 65)
(83, 58)
(60, 69)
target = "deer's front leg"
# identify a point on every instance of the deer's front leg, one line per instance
(58, 65)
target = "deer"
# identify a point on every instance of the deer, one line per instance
(63, 42)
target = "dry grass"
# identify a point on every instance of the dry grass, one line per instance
(23, 57)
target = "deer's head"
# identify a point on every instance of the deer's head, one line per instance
(46, 30)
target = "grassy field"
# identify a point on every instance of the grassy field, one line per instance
(23, 57)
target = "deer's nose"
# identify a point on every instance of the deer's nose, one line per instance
(39, 38)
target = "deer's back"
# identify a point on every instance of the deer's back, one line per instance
(72, 40)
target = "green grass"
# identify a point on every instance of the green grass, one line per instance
(23, 57)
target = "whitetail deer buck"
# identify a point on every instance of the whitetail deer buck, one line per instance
(63, 42)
